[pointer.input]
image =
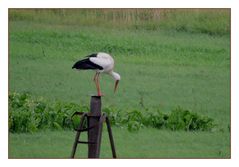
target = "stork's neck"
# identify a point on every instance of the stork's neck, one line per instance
(115, 75)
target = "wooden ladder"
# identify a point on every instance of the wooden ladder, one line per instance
(94, 129)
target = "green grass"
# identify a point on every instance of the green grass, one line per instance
(161, 69)
(151, 143)
(165, 69)
(210, 21)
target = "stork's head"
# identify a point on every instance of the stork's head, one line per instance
(116, 77)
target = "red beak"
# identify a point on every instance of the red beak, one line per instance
(116, 85)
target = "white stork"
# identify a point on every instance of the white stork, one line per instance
(101, 63)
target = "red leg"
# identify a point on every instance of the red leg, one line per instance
(94, 79)
(98, 81)
(98, 84)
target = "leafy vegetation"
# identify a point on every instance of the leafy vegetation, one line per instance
(178, 119)
(30, 115)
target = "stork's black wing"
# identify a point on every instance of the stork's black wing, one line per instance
(86, 64)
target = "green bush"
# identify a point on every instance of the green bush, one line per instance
(155, 119)
(180, 119)
(27, 114)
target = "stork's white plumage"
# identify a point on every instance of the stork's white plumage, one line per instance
(101, 63)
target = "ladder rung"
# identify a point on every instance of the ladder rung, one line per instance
(86, 142)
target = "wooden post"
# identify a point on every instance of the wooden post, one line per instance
(94, 134)
(95, 120)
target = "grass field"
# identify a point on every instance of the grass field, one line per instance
(160, 69)
(151, 143)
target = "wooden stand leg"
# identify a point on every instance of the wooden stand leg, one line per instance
(77, 137)
(111, 137)
(95, 120)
